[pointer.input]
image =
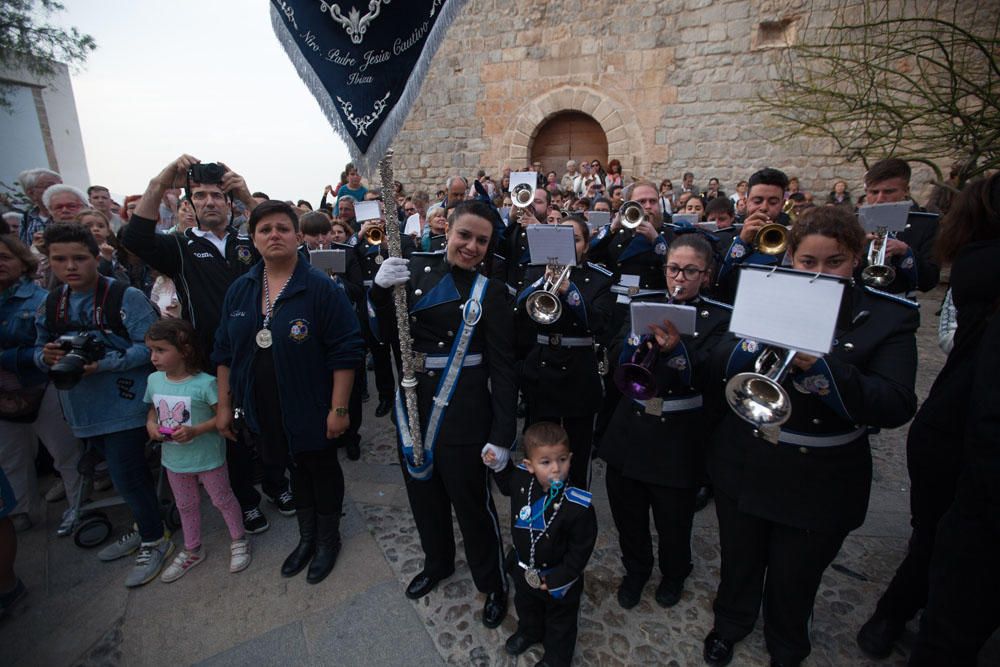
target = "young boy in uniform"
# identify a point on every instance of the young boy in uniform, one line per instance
(553, 528)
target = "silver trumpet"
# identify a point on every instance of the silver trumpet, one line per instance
(545, 306)
(757, 397)
(522, 195)
(632, 214)
(878, 273)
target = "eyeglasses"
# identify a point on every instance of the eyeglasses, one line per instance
(690, 272)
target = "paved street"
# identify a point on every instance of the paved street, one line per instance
(78, 611)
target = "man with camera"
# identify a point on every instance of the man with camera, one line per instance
(203, 262)
(91, 342)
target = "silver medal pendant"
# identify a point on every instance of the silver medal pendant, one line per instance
(264, 338)
(379, 259)
(531, 578)
(525, 513)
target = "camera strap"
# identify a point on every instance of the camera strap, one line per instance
(106, 311)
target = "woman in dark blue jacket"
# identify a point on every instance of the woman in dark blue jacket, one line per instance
(286, 351)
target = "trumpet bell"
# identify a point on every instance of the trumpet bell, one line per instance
(878, 275)
(758, 400)
(633, 214)
(374, 236)
(636, 381)
(771, 239)
(543, 307)
(522, 195)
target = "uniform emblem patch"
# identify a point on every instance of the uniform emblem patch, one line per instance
(749, 346)
(243, 254)
(813, 384)
(737, 251)
(299, 331)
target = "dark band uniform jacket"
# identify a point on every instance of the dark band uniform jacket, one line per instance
(668, 448)
(559, 375)
(562, 554)
(865, 381)
(512, 269)
(315, 333)
(483, 406)
(627, 253)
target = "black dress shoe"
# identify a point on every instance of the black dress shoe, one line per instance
(702, 497)
(354, 450)
(518, 643)
(422, 584)
(877, 636)
(384, 406)
(630, 591)
(718, 651)
(495, 609)
(668, 593)
(783, 663)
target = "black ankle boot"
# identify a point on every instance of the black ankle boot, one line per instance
(303, 553)
(327, 547)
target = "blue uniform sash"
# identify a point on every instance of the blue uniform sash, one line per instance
(471, 313)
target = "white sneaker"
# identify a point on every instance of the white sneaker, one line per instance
(239, 555)
(56, 492)
(182, 562)
(68, 523)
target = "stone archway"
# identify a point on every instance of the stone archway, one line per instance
(615, 118)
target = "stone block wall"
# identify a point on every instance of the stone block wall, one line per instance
(669, 81)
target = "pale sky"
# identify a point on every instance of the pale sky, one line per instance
(205, 77)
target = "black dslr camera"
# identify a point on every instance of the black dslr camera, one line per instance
(207, 173)
(81, 349)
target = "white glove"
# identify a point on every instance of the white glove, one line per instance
(501, 457)
(394, 271)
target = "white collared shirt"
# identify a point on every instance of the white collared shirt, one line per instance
(216, 241)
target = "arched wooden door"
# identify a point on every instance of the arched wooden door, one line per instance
(569, 135)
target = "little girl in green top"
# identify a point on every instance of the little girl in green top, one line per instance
(182, 401)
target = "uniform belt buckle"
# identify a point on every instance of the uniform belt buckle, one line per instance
(555, 340)
(419, 362)
(632, 291)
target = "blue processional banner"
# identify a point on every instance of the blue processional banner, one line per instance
(364, 62)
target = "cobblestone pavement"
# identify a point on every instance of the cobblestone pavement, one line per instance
(649, 634)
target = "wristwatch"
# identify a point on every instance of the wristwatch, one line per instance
(340, 412)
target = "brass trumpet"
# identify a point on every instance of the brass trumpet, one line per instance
(771, 239)
(878, 274)
(632, 214)
(544, 306)
(757, 397)
(374, 235)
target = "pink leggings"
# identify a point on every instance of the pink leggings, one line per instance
(216, 482)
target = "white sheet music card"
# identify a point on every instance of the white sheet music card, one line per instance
(412, 224)
(710, 227)
(791, 310)
(367, 210)
(529, 177)
(626, 280)
(331, 261)
(892, 216)
(645, 314)
(598, 219)
(551, 244)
